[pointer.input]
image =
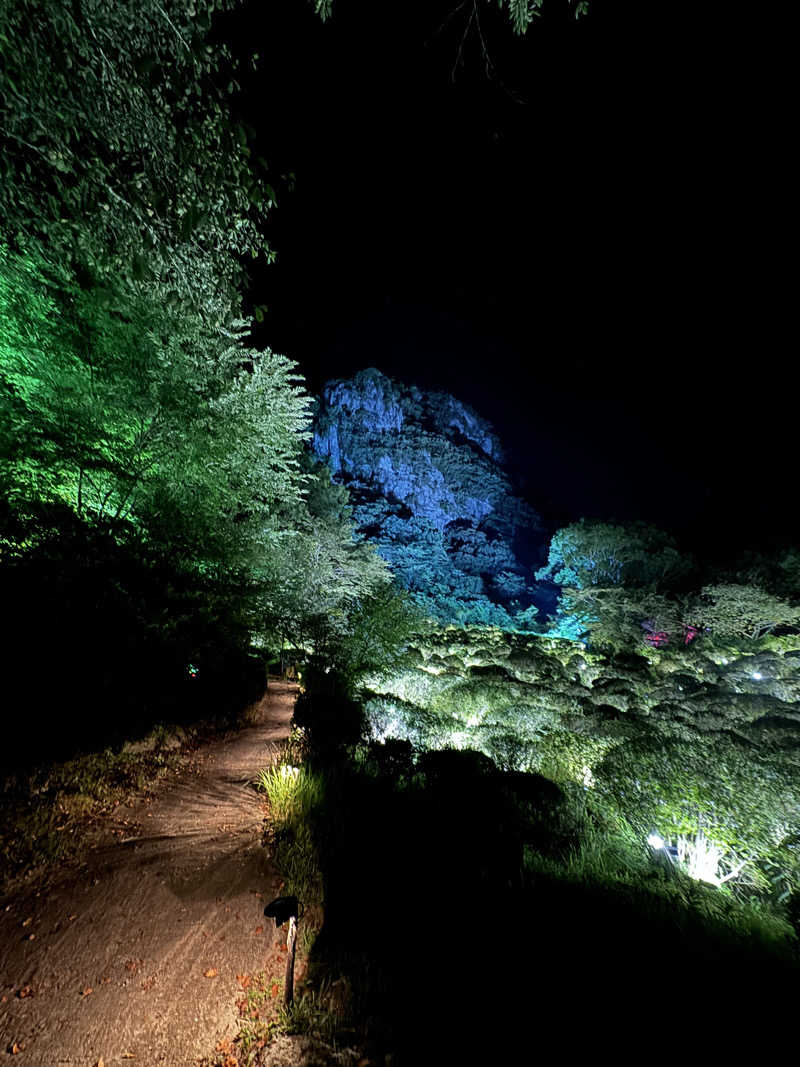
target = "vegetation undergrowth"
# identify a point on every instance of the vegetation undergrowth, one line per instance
(458, 897)
(50, 811)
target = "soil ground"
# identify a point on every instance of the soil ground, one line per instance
(133, 957)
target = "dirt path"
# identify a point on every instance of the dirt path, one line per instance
(109, 962)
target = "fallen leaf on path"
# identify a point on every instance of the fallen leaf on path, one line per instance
(259, 930)
(100, 1062)
(17, 1048)
(26, 991)
(128, 1056)
(71, 917)
(3, 999)
(243, 980)
(87, 991)
(224, 1046)
(28, 921)
(212, 972)
(31, 937)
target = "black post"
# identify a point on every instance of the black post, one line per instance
(291, 942)
(282, 909)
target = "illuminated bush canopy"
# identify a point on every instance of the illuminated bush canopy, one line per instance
(680, 742)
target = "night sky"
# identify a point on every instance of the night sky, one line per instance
(584, 239)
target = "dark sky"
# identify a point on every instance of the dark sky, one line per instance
(586, 242)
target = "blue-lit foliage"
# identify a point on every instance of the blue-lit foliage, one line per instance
(586, 554)
(427, 487)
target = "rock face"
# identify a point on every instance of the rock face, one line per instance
(427, 485)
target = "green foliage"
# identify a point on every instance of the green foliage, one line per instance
(120, 159)
(296, 795)
(319, 582)
(135, 418)
(612, 617)
(588, 554)
(561, 865)
(744, 803)
(777, 573)
(127, 410)
(521, 13)
(744, 611)
(670, 744)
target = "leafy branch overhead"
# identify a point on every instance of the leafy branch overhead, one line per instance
(120, 159)
(521, 13)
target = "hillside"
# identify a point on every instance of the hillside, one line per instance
(428, 487)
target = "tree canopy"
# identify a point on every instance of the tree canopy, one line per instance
(136, 417)
(586, 554)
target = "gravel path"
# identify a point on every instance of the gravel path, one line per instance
(133, 957)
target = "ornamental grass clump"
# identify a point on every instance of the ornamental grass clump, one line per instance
(295, 796)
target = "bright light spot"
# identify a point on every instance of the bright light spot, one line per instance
(582, 644)
(725, 661)
(700, 858)
(587, 778)
(289, 772)
(757, 675)
(654, 841)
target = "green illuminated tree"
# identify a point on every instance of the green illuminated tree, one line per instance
(614, 617)
(586, 554)
(318, 575)
(120, 158)
(736, 611)
(127, 410)
(128, 199)
(137, 428)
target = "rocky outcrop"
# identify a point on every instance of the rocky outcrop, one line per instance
(427, 485)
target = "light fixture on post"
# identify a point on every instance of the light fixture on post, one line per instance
(285, 909)
(660, 847)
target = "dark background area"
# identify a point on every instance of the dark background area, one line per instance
(581, 232)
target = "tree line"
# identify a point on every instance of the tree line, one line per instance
(159, 509)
